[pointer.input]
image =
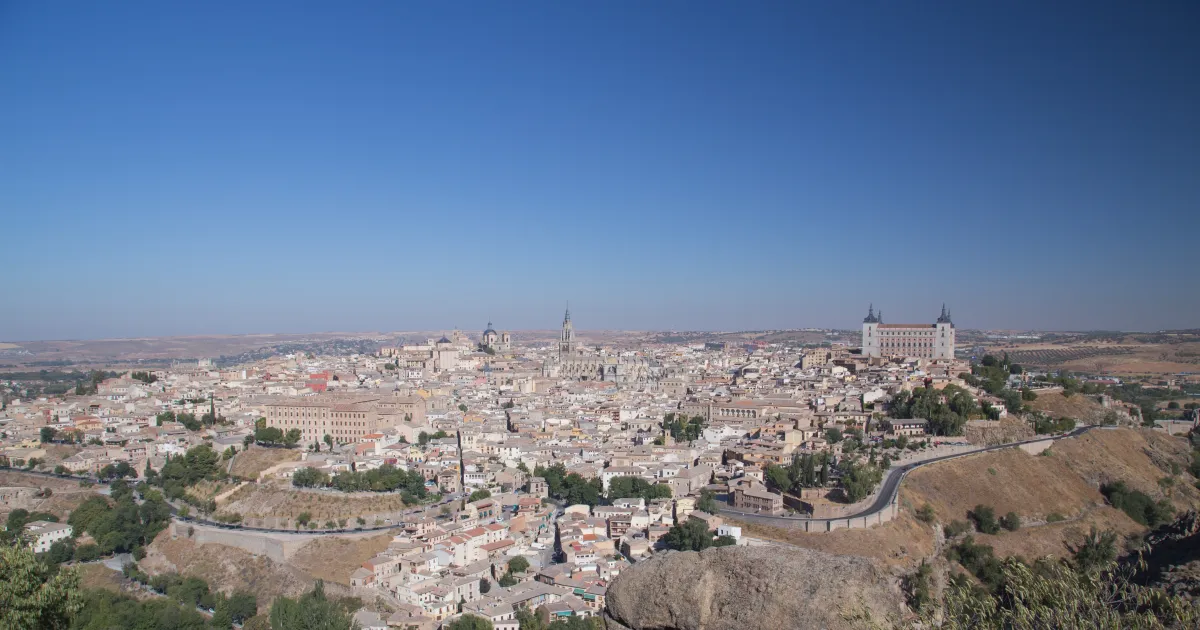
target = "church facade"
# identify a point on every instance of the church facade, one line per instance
(495, 341)
(571, 362)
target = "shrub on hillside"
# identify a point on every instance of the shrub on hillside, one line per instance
(956, 528)
(1137, 504)
(984, 518)
(1010, 521)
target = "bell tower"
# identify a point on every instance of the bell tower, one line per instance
(566, 341)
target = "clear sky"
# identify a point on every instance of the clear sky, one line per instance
(227, 167)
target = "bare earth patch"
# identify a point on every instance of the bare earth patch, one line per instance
(334, 559)
(256, 459)
(1078, 406)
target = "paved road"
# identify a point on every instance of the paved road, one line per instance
(890, 486)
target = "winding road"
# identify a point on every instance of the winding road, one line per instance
(890, 487)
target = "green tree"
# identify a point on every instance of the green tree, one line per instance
(479, 495)
(518, 564)
(48, 434)
(33, 595)
(707, 502)
(291, 438)
(1010, 521)
(925, 513)
(777, 477)
(328, 441)
(859, 481)
(1097, 551)
(309, 477)
(690, 535)
(469, 622)
(312, 611)
(984, 518)
(1051, 594)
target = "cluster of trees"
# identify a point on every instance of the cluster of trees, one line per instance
(479, 495)
(633, 487)
(309, 477)
(807, 470)
(274, 436)
(90, 386)
(693, 535)
(423, 437)
(311, 611)
(1137, 504)
(682, 428)
(120, 527)
(1049, 425)
(858, 481)
(517, 565)
(985, 521)
(145, 377)
(67, 436)
(386, 478)
(199, 463)
(1087, 590)
(36, 595)
(529, 620)
(570, 488)
(947, 409)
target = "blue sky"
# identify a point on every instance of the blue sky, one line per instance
(210, 167)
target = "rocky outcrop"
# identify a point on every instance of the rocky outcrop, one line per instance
(744, 588)
(1170, 557)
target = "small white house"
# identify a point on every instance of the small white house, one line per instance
(731, 531)
(43, 534)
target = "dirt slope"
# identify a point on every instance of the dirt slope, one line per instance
(251, 462)
(334, 559)
(227, 569)
(1078, 406)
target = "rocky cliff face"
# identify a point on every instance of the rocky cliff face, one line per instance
(1170, 557)
(745, 588)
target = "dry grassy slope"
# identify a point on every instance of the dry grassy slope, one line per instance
(99, 576)
(1080, 407)
(1066, 481)
(1140, 457)
(280, 500)
(251, 462)
(334, 559)
(227, 569)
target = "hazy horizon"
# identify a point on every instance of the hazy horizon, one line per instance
(188, 169)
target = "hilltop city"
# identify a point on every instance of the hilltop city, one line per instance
(512, 481)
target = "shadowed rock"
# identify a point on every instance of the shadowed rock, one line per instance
(748, 588)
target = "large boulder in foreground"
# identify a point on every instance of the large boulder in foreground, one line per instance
(748, 588)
